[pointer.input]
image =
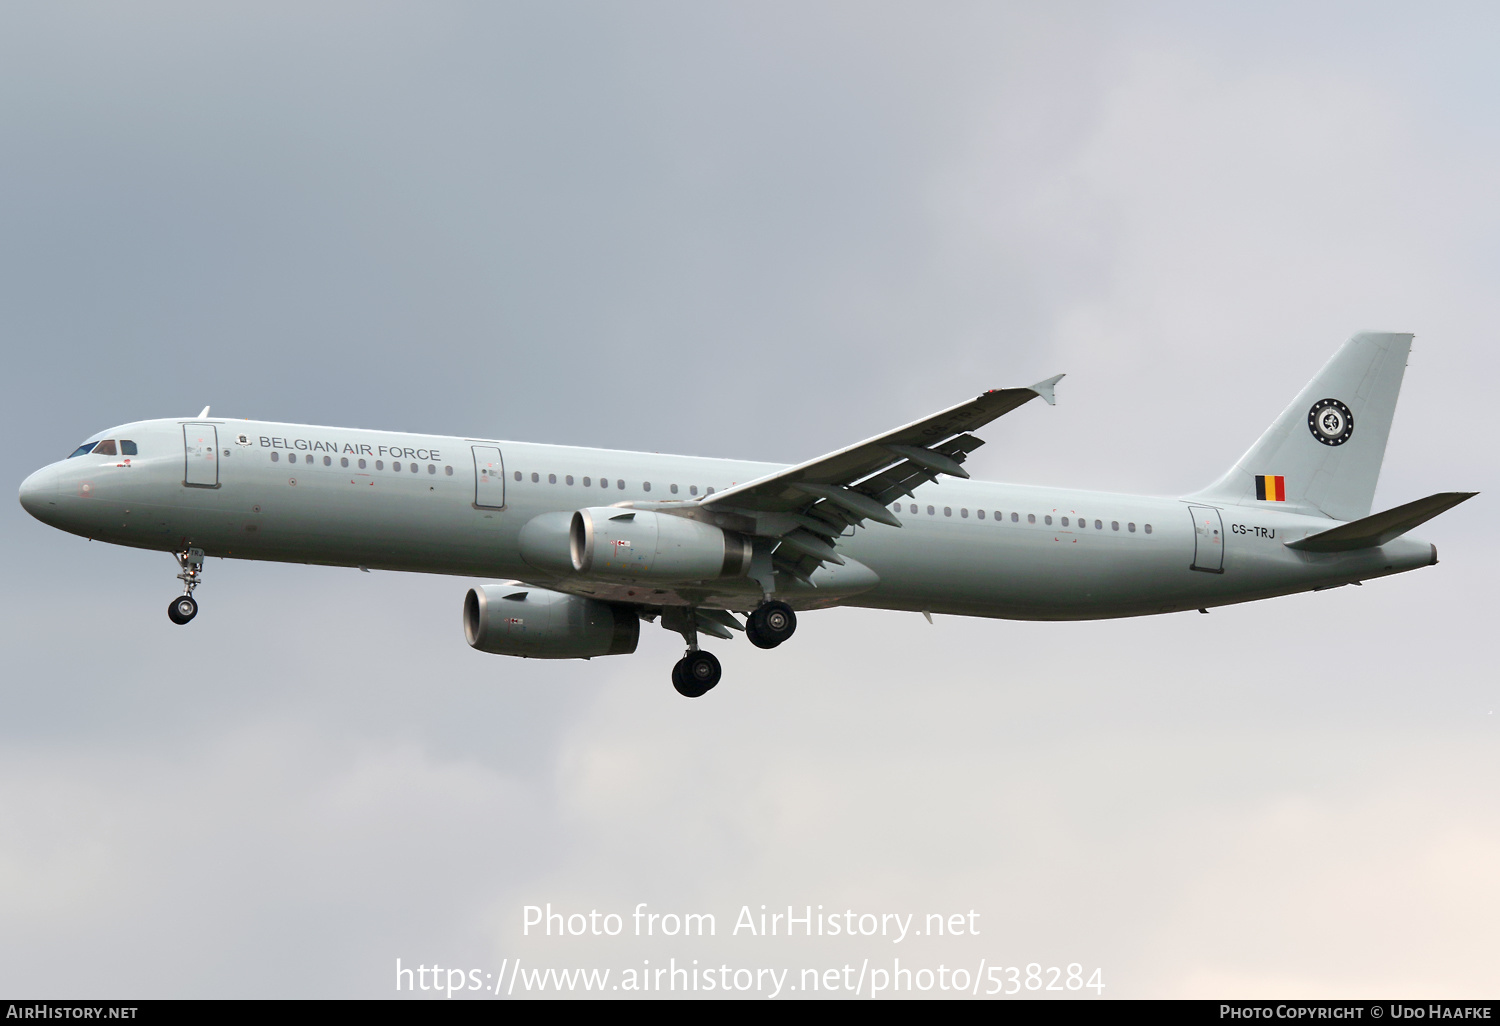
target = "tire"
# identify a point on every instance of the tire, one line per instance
(182, 609)
(696, 674)
(774, 622)
(686, 687)
(757, 639)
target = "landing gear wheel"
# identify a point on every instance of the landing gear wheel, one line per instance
(756, 637)
(696, 674)
(771, 624)
(182, 609)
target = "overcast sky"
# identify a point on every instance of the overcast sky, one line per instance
(759, 231)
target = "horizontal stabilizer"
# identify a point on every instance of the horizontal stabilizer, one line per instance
(1380, 528)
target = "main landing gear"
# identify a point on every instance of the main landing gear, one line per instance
(184, 607)
(697, 672)
(771, 624)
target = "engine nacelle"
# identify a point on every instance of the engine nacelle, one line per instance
(638, 545)
(539, 624)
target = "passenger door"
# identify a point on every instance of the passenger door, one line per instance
(201, 452)
(489, 478)
(1208, 539)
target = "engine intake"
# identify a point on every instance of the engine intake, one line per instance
(639, 545)
(536, 623)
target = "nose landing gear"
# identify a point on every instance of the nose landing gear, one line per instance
(771, 624)
(185, 607)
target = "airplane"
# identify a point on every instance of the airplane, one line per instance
(587, 543)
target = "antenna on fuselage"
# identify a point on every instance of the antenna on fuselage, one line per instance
(204, 413)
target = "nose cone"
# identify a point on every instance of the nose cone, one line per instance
(39, 492)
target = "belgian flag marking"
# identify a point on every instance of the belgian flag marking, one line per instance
(1270, 489)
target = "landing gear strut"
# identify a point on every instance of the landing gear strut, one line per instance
(185, 607)
(697, 672)
(771, 624)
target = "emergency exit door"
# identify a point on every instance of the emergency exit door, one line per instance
(200, 443)
(1208, 539)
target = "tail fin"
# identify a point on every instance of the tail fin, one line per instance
(1323, 454)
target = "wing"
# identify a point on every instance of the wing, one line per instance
(806, 508)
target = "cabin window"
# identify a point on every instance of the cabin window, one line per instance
(947, 511)
(416, 467)
(432, 468)
(446, 470)
(604, 482)
(568, 479)
(536, 478)
(620, 484)
(979, 513)
(674, 489)
(1031, 518)
(518, 475)
(327, 461)
(1015, 518)
(275, 455)
(964, 512)
(127, 448)
(1148, 528)
(692, 489)
(913, 507)
(1114, 525)
(645, 486)
(709, 490)
(380, 464)
(1065, 521)
(587, 481)
(343, 461)
(361, 464)
(1047, 519)
(552, 479)
(1130, 528)
(931, 512)
(1098, 525)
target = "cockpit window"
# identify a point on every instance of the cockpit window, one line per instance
(127, 447)
(86, 447)
(105, 448)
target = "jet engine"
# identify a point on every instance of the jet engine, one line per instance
(638, 545)
(539, 624)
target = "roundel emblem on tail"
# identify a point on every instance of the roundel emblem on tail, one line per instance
(1330, 422)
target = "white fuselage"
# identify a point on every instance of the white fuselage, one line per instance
(349, 497)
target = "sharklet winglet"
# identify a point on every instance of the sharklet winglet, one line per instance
(1044, 388)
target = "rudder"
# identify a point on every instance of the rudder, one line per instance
(1323, 454)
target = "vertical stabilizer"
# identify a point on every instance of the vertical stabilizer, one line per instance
(1323, 454)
